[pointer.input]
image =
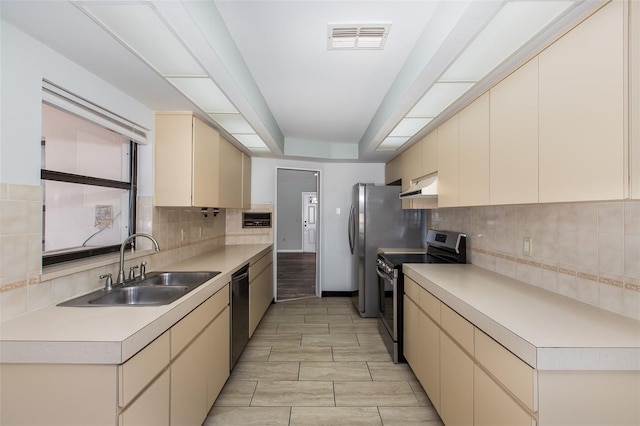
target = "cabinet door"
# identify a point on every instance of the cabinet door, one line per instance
(514, 137)
(474, 152)
(456, 384)
(392, 171)
(430, 153)
(411, 335)
(260, 296)
(448, 164)
(492, 405)
(189, 385)
(429, 350)
(582, 91)
(173, 159)
(216, 336)
(246, 181)
(205, 165)
(230, 175)
(151, 408)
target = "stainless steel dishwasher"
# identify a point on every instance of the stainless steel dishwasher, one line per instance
(239, 312)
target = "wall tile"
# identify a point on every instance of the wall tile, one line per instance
(587, 217)
(39, 295)
(610, 250)
(610, 293)
(632, 256)
(14, 217)
(567, 217)
(632, 218)
(631, 298)
(588, 249)
(13, 302)
(611, 218)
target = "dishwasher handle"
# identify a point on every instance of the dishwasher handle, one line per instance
(236, 278)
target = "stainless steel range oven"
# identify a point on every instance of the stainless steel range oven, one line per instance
(442, 247)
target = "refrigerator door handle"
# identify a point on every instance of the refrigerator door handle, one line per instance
(352, 230)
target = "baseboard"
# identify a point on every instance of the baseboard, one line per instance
(338, 293)
(290, 251)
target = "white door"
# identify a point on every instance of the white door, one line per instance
(309, 221)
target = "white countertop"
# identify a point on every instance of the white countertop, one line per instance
(546, 330)
(111, 335)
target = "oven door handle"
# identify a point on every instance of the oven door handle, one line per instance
(384, 276)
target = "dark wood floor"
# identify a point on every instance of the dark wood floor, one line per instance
(296, 275)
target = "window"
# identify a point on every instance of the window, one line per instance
(89, 179)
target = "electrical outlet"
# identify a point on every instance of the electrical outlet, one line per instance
(182, 235)
(526, 246)
(103, 216)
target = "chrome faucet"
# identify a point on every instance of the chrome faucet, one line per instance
(122, 247)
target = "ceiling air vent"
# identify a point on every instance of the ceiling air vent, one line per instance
(357, 36)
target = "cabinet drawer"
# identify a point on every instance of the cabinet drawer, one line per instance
(412, 290)
(457, 327)
(135, 374)
(259, 266)
(430, 304)
(190, 326)
(511, 371)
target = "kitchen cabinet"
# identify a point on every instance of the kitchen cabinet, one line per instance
(582, 112)
(449, 163)
(492, 406)
(429, 154)
(246, 181)
(474, 153)
(513, 150)
(393, 171)
(193, 365)
(260, 289)
(195, 166)
(173, 380)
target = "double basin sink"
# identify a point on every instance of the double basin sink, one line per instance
(157, 288)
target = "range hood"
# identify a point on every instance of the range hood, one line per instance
(426, 187)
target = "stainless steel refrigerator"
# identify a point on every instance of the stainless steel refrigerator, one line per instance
(377, 220)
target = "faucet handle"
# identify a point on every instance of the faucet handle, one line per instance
(132, 272)
(108, 284)
(143, 270)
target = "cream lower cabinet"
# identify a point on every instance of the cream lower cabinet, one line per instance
(173, 380)
(492, 406)
(260, 289)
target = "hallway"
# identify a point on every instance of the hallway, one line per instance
(316, 361)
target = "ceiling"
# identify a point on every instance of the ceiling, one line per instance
(270, 59)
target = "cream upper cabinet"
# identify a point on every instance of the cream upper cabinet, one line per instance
(582, 94)
(449, 164)
(392, 171)
(411, 164)
(514, 137)
(429, 153)
(196, 167)
(474, 153)
(246, 181)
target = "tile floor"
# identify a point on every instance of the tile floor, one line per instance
(317, 362)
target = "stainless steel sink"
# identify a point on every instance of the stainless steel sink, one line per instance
(141, 295)
(157, 288)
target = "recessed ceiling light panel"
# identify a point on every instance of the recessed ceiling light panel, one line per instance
(357, 36)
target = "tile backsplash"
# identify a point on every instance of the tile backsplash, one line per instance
(181, 233)
(587, 251)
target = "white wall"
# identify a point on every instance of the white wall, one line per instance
(336, 181)
(291, 185)
(25, 62)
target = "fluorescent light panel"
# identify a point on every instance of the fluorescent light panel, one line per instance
(391, 143)
(514, 25)
(204, 93)
(233, 123)
(142, 30)
(252, 142)
(409, 126)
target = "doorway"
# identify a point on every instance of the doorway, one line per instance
(297, 230)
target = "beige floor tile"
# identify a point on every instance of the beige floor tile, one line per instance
(303, 353)
(341, 310)
(294, 393)
(381, 393)
(328, 319)
(361, 353)
(357, 319)
(329, 301)
(343, 371)
(368, 339)
(275, 309)
(390, 371)
(401, 416)
(248, 416)
(283, 319)
(255, 353)
(329, 416)
(237, 393)
(266, 329)
(300, 310)
(303, 328)
(354, 328)
(329, 340)
(266, 371)
(275, 339)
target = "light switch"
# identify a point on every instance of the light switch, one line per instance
(337, 210)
